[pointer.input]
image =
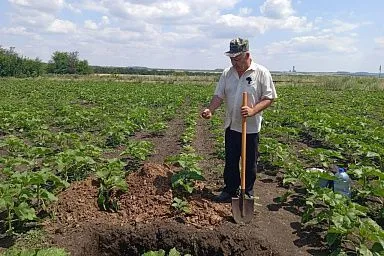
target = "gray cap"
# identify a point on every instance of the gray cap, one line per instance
(237, 46)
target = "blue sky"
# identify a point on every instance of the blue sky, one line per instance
(310, 35)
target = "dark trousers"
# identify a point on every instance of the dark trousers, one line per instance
(232, 158)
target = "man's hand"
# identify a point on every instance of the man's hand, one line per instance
(251, 111)
(247, 111)
(215, 103)
(207, 114)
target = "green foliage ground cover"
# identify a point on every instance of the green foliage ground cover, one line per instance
(331, 121)
(323, 125)
(69, 127)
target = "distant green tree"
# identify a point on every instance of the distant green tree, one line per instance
(83, 67)
(73, 60)
(59, 63)
(11, 64)
(32, 67)
(68, 63)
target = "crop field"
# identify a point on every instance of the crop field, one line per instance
(113, 165)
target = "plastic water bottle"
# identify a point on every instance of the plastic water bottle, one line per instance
(342, 184)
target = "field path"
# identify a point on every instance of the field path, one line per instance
(165, 145)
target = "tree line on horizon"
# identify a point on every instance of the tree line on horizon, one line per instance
(12, 64)
(149, 71)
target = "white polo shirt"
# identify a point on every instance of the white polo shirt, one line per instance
(257, 82)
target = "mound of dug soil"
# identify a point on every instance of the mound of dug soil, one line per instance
(149, 198)
(146, 220)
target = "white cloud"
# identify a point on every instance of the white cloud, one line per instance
(277, 9)
(118, 36)
(162, 9)
(159, 12)
(207, 16)
(379, 41)
(31, 18)
(337, 26)
(262, 24)
(236, 23)
(62, 26)
(245, 11)
(297, 24)
(40, 5)
(148, 30)
(278, 14)
(92, 5)
(20, 32)
(105, 20)
(72, 8)
(177, 8)
(142, 1)
(139, 32)
(318, 20)
(88, 24)
(313, 45)
(341, 26)
(218, 4)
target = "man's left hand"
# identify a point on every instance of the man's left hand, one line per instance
(247, 111)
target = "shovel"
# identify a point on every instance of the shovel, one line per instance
(242, 207)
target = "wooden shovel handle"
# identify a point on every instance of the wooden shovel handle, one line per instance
(243, 143)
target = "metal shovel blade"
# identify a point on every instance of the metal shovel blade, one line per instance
(242, 209)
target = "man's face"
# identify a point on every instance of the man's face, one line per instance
(239, 62)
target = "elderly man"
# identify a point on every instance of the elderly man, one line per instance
(243, 76)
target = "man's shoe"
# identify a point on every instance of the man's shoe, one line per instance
(224, 197)
(248, 196)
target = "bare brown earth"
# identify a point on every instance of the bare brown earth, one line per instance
(146, 220)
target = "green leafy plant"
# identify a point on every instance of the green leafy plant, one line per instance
(14, 145)
(181, 206)
(370, 180)
(117, 133)
(111, 178)
(78, 163)
(217, 130)
(185, 179)
(25, 193)
(157, 129)
(188, 135)
(161, 252)
(138, 150)
(37, 183)
(36, 252)
(13, 201)
(190, 130)
(345, 220)
(189, 173)
(184, 160)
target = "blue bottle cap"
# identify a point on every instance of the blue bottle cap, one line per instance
(341, 169)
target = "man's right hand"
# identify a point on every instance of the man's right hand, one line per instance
(207, 114)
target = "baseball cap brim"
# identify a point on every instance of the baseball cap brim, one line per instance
(232, 54)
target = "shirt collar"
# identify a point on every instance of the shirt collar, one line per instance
(251, 67)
